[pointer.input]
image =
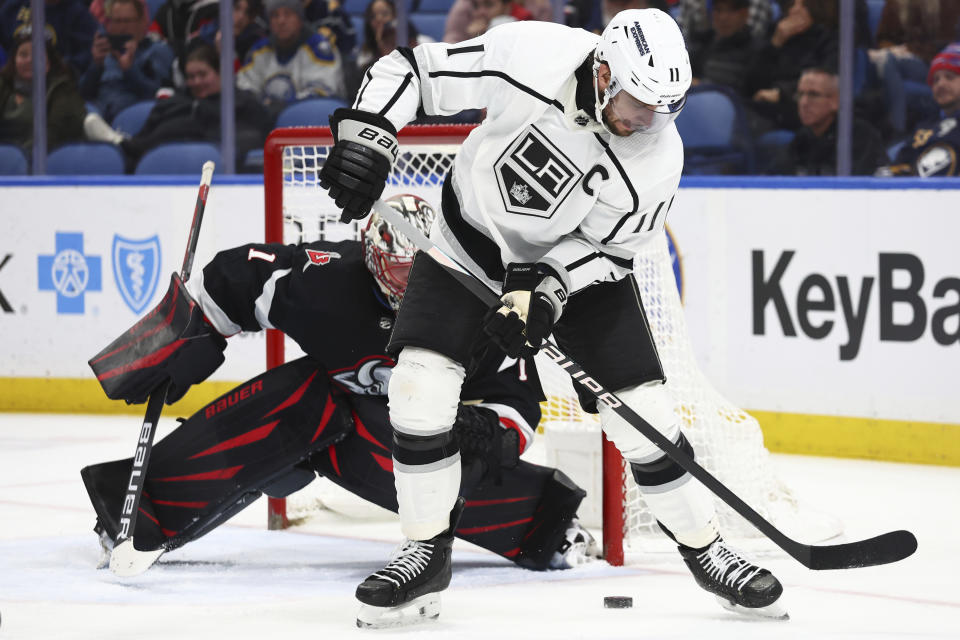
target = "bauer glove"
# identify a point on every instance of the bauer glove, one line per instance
(532, 301)
(356, 170)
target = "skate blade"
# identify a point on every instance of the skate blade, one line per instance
(417, 610)
(126, 561)
(774, 611)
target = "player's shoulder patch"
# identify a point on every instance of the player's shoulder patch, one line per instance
(939, 159)
(320, 47)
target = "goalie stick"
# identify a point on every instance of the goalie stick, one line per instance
(882, 549)
(125, 559)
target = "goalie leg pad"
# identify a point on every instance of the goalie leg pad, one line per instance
(217, 462)
(173, 342)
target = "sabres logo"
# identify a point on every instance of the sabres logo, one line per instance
(320, 258)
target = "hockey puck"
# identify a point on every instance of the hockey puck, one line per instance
(617, 602)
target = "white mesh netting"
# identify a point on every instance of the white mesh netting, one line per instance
(727, 441)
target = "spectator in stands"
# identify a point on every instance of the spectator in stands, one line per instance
(329, 18)
(249, 28)
(697, 20)
(725, 54)
(178, 22)
(934, 148)
(65, 107)
(805, 37)
(380, 33)
(194, 115)
(909, 35)
(127, 66)
(69, 25)
(813, 151)
(98, 9)
(470, 18)
(293, 63)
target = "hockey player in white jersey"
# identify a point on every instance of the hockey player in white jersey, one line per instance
(573, 170)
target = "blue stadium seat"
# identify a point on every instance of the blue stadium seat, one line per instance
(874, 11)
(434, 6)
(13, 162)
(430, 24)
(714, 132)
(177, 158)
(355, 7)
(85, 158)
(769, 145)
(314, 112)
(130, 120)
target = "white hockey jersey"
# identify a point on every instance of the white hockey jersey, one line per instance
(539, 180)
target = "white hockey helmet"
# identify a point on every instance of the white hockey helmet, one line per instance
(649, 69)
(387, 253)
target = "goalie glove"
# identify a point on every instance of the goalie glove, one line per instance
(174, 343)
(356, 170)
(532, 301)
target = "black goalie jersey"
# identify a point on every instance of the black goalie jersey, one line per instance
(273, 432)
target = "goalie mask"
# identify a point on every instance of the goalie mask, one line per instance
(649, 70)
(387, 253)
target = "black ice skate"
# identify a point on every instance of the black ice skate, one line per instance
(408, 589)
(739, 585)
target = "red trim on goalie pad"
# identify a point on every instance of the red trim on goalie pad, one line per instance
(383, 461)
(187, 505)
(332, 450)
(145, 361)
(295, 398)
(328, 410)
(253, 435)
(167, 532)
(219, 474)
(365, 434)
(150, 517)
(486, 503)
(492, 527)
(167, 320)
(511, 553)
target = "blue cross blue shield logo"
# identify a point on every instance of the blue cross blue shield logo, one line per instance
(136, 270)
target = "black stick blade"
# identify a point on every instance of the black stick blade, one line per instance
(883, 549)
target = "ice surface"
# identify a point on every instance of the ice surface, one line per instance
(242, 581)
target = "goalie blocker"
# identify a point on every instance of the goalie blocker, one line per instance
(172, 342)
(274, 433)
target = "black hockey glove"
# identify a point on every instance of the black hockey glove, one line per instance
(480, 435)
(532, 301)
(358, 165)
(172, 342)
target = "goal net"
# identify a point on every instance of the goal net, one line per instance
(728, 442)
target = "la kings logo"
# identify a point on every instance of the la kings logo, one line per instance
(534, 176)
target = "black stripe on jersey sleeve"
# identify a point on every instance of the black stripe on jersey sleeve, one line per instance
(582, 261)
(623, 174)
(474, 49)
(366, 83)
(411, 59)
(502, 76)
(396, 94)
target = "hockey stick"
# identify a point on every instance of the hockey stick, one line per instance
(125, 559)
(882, 549)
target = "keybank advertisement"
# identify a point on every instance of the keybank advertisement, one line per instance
(79, 265)
(841, 302)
